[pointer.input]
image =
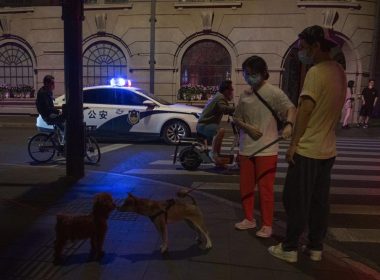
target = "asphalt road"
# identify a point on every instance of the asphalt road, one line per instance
(355, 193)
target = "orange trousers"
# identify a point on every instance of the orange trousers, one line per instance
(259, 170)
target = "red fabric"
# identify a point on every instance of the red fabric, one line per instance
(260, 171)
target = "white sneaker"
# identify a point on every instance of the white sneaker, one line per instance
(314, 255)
(278, 252)
(264, 232)
(245, 224)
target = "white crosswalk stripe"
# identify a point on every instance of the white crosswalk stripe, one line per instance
(357, 165)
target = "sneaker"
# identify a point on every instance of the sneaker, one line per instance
(365, 126)
(314, 255)
(278, 252)
(264, 232)
(245, 224)
(359, 124)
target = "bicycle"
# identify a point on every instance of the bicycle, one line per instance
(42, 147)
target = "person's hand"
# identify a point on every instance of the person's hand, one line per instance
(290, 154)
(253, 132)
(287, 132)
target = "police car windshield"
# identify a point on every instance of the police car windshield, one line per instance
(156, 98)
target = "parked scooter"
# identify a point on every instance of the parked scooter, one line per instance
(198, 152)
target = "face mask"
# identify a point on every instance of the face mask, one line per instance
(305, 58)
(253, 80)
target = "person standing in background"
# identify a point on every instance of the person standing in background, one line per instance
(369, 99)
(348, 104)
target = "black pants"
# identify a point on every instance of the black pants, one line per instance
(306, 201)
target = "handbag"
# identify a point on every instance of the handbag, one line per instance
(280, 123)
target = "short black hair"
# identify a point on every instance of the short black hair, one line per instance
(350, 83)
(48, 79)
(226, 84)
(316, 34)
(371, 80)
(257, 64)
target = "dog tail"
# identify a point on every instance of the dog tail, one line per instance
(184, 193)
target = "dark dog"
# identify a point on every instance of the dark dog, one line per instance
(92, 226)
(163, 212)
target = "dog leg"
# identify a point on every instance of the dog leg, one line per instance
(163, 230)
(198, 238)
(58, 248)
(202, 228)
(99, 246)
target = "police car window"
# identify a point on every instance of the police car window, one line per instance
(126, 97)
(98, 96)
(154, 97)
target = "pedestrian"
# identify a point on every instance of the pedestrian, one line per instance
(312, 149)
(209, 121)
(258, 127)
(348, 104)
(369, 99)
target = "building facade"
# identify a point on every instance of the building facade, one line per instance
(197, 43)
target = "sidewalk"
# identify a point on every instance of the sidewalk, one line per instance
(31, 196)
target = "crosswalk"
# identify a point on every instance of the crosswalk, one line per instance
(355, 190)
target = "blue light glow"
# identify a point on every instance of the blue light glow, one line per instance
(120, 82)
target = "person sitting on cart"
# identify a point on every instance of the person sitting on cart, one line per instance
(209, 122)
(45, 104)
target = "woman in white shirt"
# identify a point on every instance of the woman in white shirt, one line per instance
(258, 127)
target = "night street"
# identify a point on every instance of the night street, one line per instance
(355, 214)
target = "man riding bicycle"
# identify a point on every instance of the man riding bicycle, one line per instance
(45, 104)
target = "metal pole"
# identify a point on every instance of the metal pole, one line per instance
(152, 60)
(72, 15)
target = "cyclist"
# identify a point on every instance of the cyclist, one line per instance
(209, 121)
(45, 104)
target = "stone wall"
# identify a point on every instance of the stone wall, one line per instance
(264, 27)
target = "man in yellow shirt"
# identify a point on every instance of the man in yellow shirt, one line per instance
(312, 150)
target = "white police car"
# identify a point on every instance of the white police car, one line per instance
(125, 112)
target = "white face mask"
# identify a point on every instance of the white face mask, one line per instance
(305, 58)
(253, 80)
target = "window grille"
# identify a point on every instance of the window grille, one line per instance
(16, 66)
(103, 61)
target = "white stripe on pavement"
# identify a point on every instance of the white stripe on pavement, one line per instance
(279, 188)
(355, 235)
(344, 177)
(284, 164)
(348, 209)
(113, 147)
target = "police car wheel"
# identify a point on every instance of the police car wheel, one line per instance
(174, 130)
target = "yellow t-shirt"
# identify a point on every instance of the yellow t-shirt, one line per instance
(325, 83)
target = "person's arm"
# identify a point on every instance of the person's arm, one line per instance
(363, 100)
(306, 107)
(290, 119)
(225, 108)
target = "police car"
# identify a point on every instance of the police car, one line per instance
(120, 111)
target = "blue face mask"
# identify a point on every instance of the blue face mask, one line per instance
(305, 58)
(253, 80)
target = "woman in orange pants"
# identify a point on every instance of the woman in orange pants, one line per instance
(258, 128)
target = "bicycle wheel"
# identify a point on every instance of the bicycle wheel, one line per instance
(92, 151)
(41, 147)
(190, 160)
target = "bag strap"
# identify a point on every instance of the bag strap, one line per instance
(267, 105)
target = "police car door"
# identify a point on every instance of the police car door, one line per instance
(99, 102)
(131, 109)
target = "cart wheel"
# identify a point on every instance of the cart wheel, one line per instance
(190, 160)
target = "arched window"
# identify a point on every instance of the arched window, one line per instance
(101, 62)
(295, 72)
(16, 66)
(205, 63)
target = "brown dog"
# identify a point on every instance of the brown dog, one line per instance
(163, 212)
(92, 226)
